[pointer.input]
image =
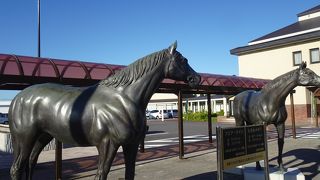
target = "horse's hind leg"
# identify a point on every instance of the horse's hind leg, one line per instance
(14, 171)
(107, 151)
(22, 145)
(41, 142)
(130, 154)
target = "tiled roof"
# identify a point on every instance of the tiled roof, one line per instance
(18, 72)
(309, 11)
(299, 32)
(293, 28)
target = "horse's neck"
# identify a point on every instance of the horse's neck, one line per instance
(280, 90)
(141, 91)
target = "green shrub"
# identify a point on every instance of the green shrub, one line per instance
(199, 116)
(221, 113)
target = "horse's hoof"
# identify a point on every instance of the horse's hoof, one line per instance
(282, 169)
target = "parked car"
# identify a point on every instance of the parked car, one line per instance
(166, 114)
(173, 113)
(4, 118)
(153, 114)
(157, 114)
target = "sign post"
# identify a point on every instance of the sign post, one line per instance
(219, 153)
(241, 145)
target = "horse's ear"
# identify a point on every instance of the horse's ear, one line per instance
(303, 65)
(173, 47)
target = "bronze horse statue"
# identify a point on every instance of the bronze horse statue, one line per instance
(268, 105)
(107, 115)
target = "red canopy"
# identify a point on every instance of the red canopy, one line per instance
(18, 72)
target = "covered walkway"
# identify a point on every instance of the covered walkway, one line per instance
(18, 72)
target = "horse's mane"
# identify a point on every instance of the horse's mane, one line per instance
(279, 80)
(134, 71)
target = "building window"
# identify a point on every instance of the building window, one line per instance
(314, 55)
(297, 58)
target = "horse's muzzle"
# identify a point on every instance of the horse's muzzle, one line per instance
(193, 80)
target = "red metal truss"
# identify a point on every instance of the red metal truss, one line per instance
(18, 72)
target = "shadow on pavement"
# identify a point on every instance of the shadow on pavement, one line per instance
(213, 176)
(307, 159)
(71, 167)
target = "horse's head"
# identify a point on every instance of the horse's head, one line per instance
(179, 69)
(307, 77)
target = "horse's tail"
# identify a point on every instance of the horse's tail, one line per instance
(237, 111)
(11, 118)
(15, 109)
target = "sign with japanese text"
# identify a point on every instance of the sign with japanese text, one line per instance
(242, 145)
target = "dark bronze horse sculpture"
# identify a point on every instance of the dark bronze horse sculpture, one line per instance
(268, 105)
(107, 115)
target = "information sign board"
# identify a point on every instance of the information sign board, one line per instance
(242, 145)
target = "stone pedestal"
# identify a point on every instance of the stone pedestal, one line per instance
(250, 173)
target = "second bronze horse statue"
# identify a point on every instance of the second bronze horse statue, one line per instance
(268, 105)
(107, 115)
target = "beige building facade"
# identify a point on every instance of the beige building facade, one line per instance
(282, 51)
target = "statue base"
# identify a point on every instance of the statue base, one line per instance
(250, 173)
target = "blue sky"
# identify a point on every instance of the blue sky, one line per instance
(121, 31)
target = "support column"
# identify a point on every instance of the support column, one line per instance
(198, 105)
(206, 106)
(225, 108)
(316, 114)
(315, 108)
(180, 126)
(209, 118)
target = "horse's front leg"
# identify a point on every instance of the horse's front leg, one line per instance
(107, 150)
(281, 131)
(130, 154)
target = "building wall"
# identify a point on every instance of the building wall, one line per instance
(270, 64)
(273, 63)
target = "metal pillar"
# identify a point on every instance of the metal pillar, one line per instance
(39, 50)
(316, 114)
(180, 126)
(209, 118)
(219, 153)
(293, 117)
(58, 156)
(266, 157)
(58, 151)
(315, 102)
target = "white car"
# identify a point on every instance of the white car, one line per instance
(157, 114)
(4, 118)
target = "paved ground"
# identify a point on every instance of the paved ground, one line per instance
(163, 162)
